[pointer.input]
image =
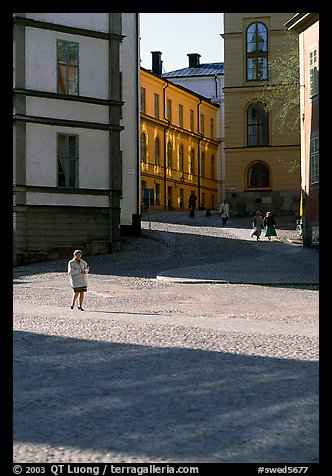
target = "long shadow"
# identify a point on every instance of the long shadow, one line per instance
(152, 253)
(182, 405)
(158, 251)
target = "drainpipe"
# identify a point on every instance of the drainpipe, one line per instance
(199, 154)
(165, 151)
(216, 83)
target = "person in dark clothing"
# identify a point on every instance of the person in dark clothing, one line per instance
(269, 225)
(192, 203)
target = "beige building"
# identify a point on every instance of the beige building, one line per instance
(178, 145)
(258, 154)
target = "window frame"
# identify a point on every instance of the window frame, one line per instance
(314, 160)
(258, 185)
(313, 72)
(65, 160)
(156, 105)
(169, 154)
(64, 67)
(157, 151)
(258, 57)
(143, 147)
(143, 99)
(260, 138)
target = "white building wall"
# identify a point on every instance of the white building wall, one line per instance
(129, 65)
(69, 110)
(41, 157)
(208, 87)
(89, 21)
(41, 62)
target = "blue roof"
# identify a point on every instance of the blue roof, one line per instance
(205, 69)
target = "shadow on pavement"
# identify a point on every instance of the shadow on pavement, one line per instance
(181, 404)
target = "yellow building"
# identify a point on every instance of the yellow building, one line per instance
(178, 145)
(259, 156)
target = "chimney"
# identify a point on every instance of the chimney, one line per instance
(193, 60)
(156, 62)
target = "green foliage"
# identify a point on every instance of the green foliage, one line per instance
(281, 93)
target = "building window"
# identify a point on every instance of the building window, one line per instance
(169, 154)
(202, 124)
(212, 167)
(258, 176)
(67, 67)
(192, 162)
(256, 52)
(67, 151)
(169, 110)
(211, 128)
(156, 151)
(181, 158)
(258, 125)
(192, 120)
(314, 160)
(203, 165)
(180, 115)
(143, 100)
(143, 148)
(313, 65)
(157, 189)
(156, 106)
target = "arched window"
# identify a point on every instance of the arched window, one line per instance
(203, 165)
(192, 162)
(181, 158)
(257, 125)
(156, 151)
(169, 154)
(258, 176)
(143, 147)
(212, 167)
(256, 52)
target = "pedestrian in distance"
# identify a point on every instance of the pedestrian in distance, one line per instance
(224, 211)
(77, 271)
(192, 203)
(269, 225)
(257, 226)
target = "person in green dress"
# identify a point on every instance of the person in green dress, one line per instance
(269, 226)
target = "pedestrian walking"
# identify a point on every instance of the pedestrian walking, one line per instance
(192, 203)
(269, 225)
(77, 271)
(257, 225)
(224, 211)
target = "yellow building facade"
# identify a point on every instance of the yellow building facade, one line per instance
(178, 147)
(259, 172)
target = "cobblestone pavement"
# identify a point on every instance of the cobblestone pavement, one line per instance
(163, 367)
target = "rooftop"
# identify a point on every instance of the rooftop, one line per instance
(204, 69)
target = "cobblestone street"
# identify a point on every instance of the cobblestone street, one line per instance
(197, 344)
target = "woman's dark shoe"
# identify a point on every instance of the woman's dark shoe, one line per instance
(80, 308)
(71, 307)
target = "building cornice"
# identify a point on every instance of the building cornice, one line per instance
(30, 22)
(302, 21)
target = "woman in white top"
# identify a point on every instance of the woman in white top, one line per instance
(224, 211)
(77, 271)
